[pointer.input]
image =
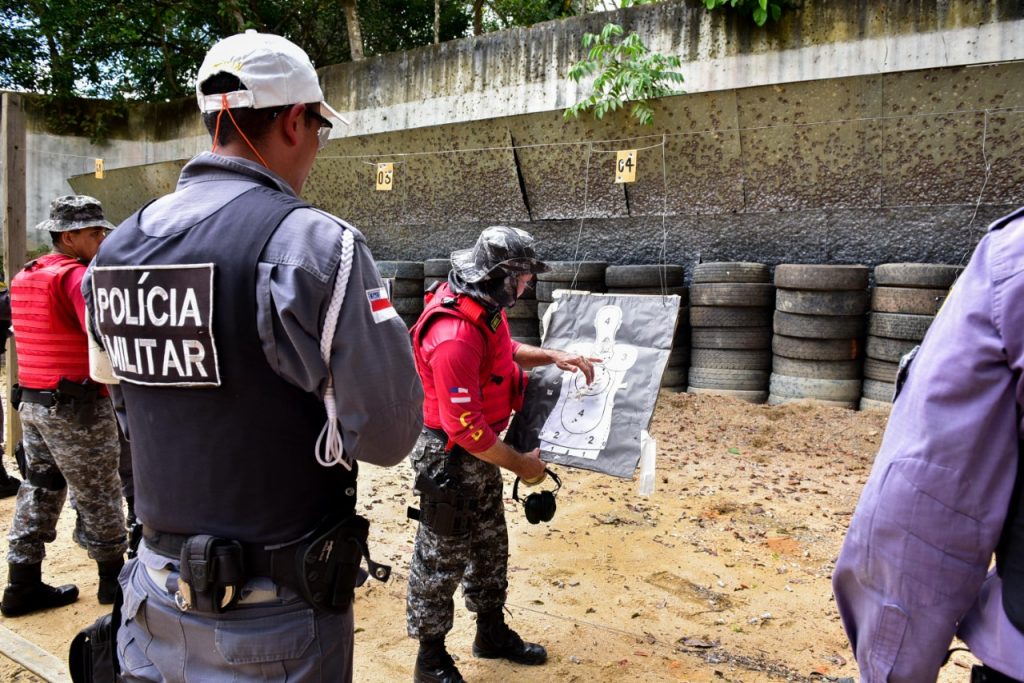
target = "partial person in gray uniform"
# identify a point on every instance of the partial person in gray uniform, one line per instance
(259, 358)
(70, 437)
(8, 485)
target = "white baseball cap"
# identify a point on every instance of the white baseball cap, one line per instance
(275, 70)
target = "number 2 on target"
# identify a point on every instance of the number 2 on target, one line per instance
(625, 166)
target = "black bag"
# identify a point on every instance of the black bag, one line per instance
(92, 657)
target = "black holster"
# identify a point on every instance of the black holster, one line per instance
(92, 657)
(82, 399)
(442, 509)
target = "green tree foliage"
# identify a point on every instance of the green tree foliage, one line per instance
(758, 10)
(627, 71)
(151, 50)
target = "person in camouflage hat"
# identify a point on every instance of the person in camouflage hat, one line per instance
(472, 375)
(70, 437)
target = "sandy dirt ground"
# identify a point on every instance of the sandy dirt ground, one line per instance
(721, 575)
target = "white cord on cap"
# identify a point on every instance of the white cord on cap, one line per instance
(330, 436)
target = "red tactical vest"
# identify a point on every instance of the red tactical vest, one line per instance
(502, 381)
(48, 337)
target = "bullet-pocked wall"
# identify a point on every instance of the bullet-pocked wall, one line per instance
(907, 166)
(873, 132)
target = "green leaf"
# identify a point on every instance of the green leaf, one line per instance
(760, 16)
(776, 12)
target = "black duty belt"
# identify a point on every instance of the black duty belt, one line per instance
(275, 561)
(48, 398)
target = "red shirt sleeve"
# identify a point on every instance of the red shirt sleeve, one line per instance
(455, 364)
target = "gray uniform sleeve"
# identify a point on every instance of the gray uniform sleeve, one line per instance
(378, 393)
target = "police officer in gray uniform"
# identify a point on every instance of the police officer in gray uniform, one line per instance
(70, 436)
(259, 358)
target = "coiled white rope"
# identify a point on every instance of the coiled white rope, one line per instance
(333, 451)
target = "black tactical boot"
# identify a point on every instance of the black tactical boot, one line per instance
(494, 640)
(434, 664)
(26, 592)
(9, 486)
(109, 569)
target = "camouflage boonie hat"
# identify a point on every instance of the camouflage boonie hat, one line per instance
(498, 246)
(75, 212)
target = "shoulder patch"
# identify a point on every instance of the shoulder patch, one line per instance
(495, 321)
(380, 305)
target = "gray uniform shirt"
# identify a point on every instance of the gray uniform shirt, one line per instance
(378, 393)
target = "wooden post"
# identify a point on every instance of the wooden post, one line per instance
(12, 186)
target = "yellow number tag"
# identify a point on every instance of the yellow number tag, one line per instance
(385, 176)
(625, 166)
(99, 168)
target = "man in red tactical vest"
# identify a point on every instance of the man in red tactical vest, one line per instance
(70, 436)
(472, 375)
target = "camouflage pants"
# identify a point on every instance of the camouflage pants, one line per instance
(87, 456)
(479, 560)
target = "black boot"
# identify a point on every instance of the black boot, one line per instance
(434, 664)
(109, 569)
(26, 592)
(9, 486)
(494, 640)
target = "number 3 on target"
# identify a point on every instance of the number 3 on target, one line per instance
(385, 176)
(625, 166)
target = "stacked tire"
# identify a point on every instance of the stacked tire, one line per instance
(435, 270)
(730, 318)
(819, 327)
(587, 276)
(659, 279)
(406, 288)
(903, 304)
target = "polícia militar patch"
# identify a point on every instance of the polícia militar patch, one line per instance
(155, 323)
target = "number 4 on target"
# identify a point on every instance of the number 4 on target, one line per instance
(625, 166)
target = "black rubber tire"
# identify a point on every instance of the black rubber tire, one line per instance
(743, 294)
(748, 396)
(403, 287)
(890, 350)
(542, 307)
(908, 300)
(731, 337)
(405, 269)
(812, 302)
(546, 289)
(427, 281)
(816, 369)
(818, 326)
(815, 349)
(567, 271)
(922, 275)
(899, 325)
(409, 320)
(674, 376)
(821, 277)
(730, 316)
(408, 305)
(679, 356)
(880, 370)
(652, 275)
(437, 267)
(807, 387)
(524, 327)
(524, 308)
(731, 359)
(731, 271)
(737, 380)
(878, 391)
(870, 404)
